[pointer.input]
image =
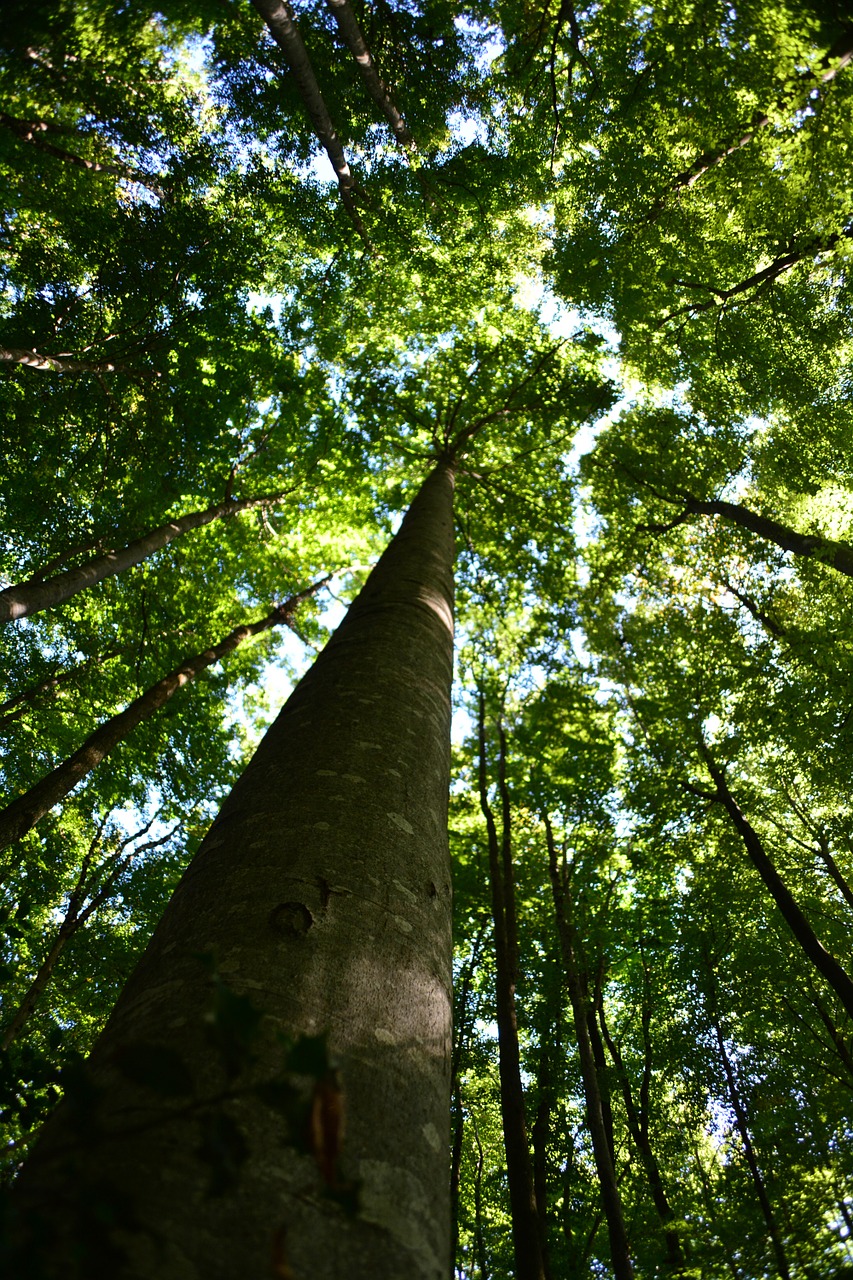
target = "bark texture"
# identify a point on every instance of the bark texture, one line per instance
(22, 814)
(278, 15)
(25, 598)
(324, 889)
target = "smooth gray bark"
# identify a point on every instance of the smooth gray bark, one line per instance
(54, 364)
(323, 888)
(353, 37)
(25, 598)
(278, 15)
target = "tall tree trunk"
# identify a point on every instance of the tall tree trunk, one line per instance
(526, 1241)
(278, 15)
(22, 814)
(353, 38)
(836, 555)
(748, 1149)
(638, 1126)
(324, 889)
(25, 598)
(597, 1110)
(805, 935)
(550, 1051)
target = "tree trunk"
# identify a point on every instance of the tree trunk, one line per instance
(353, 38)
(805, 935)
(526, 1241)
(836, 555)
(323, 888)
(600, 1135)
(749, 1152)
(22, 814)
(278, 15)
(638, 1127)
(25, 598)
(461, 1028)
(54, 364)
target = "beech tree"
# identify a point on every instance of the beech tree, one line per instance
(584, 270)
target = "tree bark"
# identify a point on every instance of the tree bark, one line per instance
(22, 814)
(836, 555)
(324, 889)
(529, 1264)
(33, 131)
(749, 1152)
(805, 935)
(353, 38)
(278, 15)
(638, 1127)
(25, 598)
(600, 1137)
(54, 364)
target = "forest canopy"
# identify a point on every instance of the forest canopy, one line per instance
(268, 274)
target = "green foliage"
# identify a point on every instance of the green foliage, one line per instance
(672, 176)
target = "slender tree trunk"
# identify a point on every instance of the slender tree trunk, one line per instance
(54, 364)
(33, 133)
(805, 935)
(38, 985)
(461, 1025)
(480, 1256)
(833, 868)
(353, 38)
(78, 911)
(600, 1061)
(600, 1136)
(278, 15)
(550, 1049)
(30, 597)
(749, 1152)
(836, 555)
(526, 1242)
(638, 1127)
(323, 888)
(22, 814)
